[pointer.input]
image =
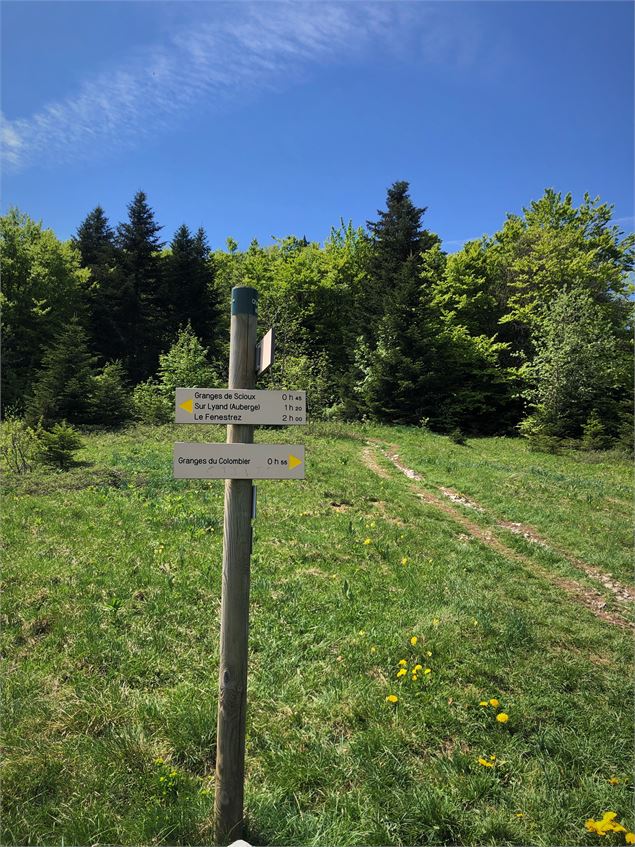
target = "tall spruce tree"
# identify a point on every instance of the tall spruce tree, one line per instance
(398, 240)
(94, 238)
(95, 241)
(141, 294)
(191, 297)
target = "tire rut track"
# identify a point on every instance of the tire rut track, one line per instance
(587, 597)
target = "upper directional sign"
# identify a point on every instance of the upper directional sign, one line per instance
(239, 406)
(195, 460)
(264, 352)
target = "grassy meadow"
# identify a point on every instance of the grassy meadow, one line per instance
(515, 591)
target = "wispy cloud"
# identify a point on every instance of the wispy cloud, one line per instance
(224, 50)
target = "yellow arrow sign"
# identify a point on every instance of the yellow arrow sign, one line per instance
(188, 406)
(294, 462)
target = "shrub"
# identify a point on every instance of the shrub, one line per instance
(594, 435)
(18, 445)
(58, 445)
(111, 400)
(150, 403)
(185, 365)
(539, 436)
(457, 437)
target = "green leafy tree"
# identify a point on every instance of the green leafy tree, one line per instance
(43, 285)
(142, 319)
(579, 373)
(185, 365)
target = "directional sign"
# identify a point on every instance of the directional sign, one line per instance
(194, 460)
(264, 352)
(239, 406)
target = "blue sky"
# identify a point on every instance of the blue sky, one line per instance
(264, 119)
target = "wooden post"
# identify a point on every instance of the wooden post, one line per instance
(234, 621)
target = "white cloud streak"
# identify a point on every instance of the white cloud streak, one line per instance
(228, 50)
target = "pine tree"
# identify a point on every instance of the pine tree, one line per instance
(96, 243)
(398, 241)
(141, 294)
(94, 238)
(191, 297)
(424, 368)
(64, 387)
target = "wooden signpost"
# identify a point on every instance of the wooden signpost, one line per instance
(238, 461)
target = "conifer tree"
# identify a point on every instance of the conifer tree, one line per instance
(398, 241)
(64, 386)
(189, 277)
(94, 238)
(141, 294)
(96, 243)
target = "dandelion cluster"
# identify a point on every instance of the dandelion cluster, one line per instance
(416, 670)
(501, 717)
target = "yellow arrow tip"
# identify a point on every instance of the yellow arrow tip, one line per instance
(294, 462)
(188, 406)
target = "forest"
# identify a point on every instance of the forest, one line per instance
(527, 331)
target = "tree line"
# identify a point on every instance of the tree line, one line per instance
(528, 328)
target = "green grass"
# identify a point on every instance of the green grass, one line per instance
(110, 633)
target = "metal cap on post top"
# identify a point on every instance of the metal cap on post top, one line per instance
(244, 300)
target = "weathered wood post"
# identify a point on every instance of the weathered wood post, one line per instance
(234, 621)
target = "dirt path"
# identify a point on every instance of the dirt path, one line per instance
(588, 597)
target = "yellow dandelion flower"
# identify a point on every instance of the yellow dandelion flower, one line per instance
(417, 668)
(485, 763)
(630, 838)
(362, 632)
(493, 757)
(428, 653)
(520, 814)
(483, 703)
(405, 560)
(494, 702)
(435, 621)
(414, 640)
(402, 672)
(607, 824)
(403, 663)
(427, 670)
(614, 780)
(501, 717)
(392, 698)
(373, 649)
(368, 541)
(414, 677)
